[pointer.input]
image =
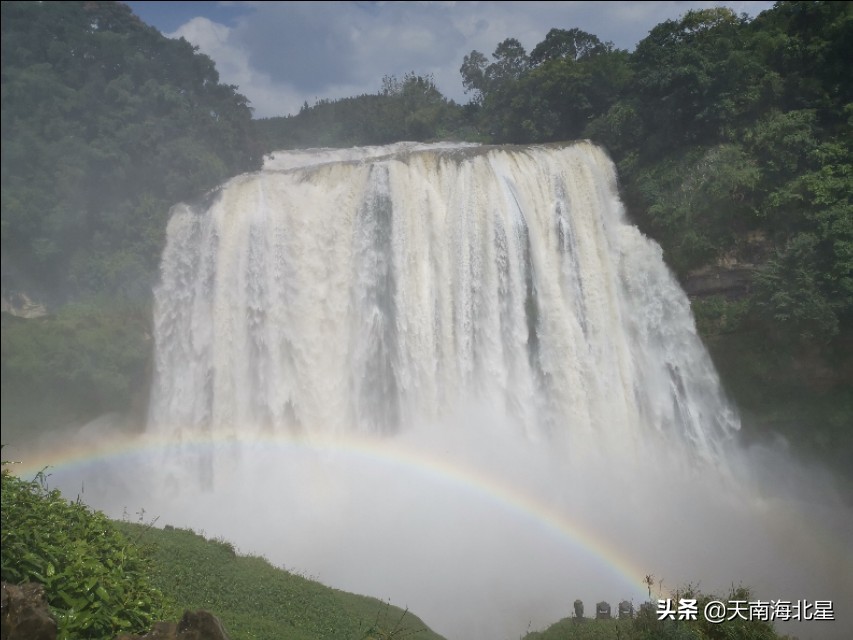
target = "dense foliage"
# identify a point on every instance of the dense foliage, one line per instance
(408, 109)
(733, 143)
(106, 124)
(96, 582)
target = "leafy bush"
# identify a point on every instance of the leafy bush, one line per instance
(96, 582)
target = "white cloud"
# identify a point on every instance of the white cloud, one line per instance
(283, 54)
(268, 98)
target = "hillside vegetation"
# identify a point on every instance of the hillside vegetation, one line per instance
(96, 582)
(259, 601)
(106, 124)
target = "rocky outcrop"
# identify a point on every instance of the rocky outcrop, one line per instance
(732, 282)
(20, 295)
(194, 625)
(24, 613)
(21, 305)
(731, 275)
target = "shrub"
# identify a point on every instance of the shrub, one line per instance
(96, 581)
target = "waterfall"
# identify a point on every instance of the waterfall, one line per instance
(457, 377)
(369, 290)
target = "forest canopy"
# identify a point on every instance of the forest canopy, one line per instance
(106, 124)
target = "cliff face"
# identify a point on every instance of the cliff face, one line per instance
(731, 282)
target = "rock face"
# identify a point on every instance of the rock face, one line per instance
(730, 276)
(602, 611)
(24, 614)
(731, 282)
(195, 625)
(19, 304)
(201, 625)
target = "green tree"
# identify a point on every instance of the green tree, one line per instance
(101, 116)
(696, 80)
(106, 124)
(567, 44)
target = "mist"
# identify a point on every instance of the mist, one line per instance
(478, 530)
(456, 379)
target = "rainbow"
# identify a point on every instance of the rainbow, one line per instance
(365, 450)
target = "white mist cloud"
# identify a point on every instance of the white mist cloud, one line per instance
(456, 521)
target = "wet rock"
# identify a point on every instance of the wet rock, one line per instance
(194, 625)
(24, 613)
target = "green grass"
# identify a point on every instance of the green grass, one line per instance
(257, 601)
(586, 629)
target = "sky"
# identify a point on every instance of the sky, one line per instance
(283, 54)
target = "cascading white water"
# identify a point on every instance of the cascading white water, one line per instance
(444, 354)
(368, 290)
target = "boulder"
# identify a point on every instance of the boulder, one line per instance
(194, 625)
(160, 631)
(24, 613)
(201, 625)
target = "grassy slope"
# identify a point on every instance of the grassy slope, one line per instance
(257, 601)
(588, 629)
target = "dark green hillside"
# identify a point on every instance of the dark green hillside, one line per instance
(106, 124)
